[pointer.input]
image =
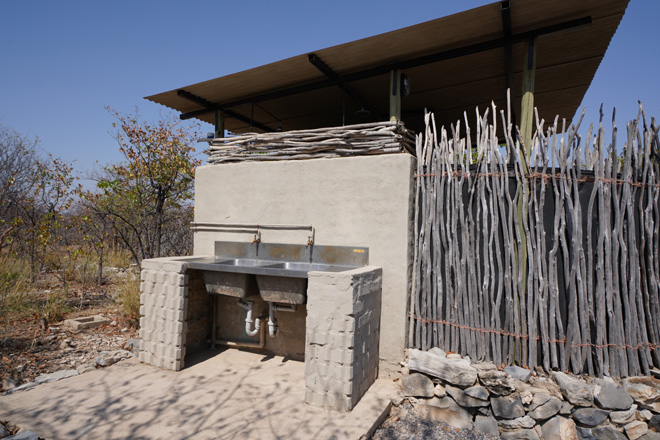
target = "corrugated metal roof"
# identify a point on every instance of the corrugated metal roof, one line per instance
(566, 63)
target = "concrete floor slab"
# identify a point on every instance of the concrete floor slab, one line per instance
(229, 395)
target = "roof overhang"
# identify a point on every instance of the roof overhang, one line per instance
(454, 64)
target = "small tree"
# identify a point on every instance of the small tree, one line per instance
(144, 195)
(17, 162)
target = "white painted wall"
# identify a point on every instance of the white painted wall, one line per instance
(356, 201)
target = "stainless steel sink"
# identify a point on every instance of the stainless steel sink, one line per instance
(279, 270)
(245, 262)
(307, 267)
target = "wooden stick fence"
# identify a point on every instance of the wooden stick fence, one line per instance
(586, 298)
(350, 140)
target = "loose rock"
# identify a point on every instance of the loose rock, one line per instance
(518, 373)
(107, 358)
(635, 429)
(526, 397)
(559, 428)
(484, 366)
(446, 410)
(416, 385)
(611, 396)
(478, 392)
(58, 375)
(85, 368)
(524, 422)
(497, 382)
(522, 434)
(576, 391)
(608, 433)
(439, 391)
(507, 408)
(566, 409)
(645, 391)
(463, 399)
(624, 417)
(486, 424)
(650, 435)
(438, 352)
(654, 423)
(457, 372)
(589, 417)
(548, 409)
(585, 433)
(9, 383)
(644, 415)
(538, 400)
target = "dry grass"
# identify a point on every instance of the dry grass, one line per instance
(128, 298)
(55, 306)
(14, 285)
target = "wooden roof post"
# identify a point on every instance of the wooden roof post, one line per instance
(219, 124)
(395, 95)
(527, 105)
(526, 124)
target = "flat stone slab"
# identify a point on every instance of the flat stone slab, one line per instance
(86, 322)
(417, 385)
(231, 394)
(574, 389)
(457, 372)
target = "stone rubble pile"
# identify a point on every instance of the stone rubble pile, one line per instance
(515, 403)
(104, 359)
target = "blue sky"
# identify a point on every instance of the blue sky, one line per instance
(64, 61)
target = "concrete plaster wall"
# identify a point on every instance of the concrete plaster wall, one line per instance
(356, 201)
(199, 314)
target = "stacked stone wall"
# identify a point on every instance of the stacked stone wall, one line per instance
(342, 336)
(163, 310)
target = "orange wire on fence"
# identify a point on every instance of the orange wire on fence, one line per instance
(544, 176)
(501, 332)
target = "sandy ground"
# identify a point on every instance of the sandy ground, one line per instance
(226, 395)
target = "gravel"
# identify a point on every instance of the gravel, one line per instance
(404, 424)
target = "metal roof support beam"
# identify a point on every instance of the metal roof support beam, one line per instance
(332, 75)
(219, 124)
(408, 64)
(395, 95)
(210, 107)
(508, 53)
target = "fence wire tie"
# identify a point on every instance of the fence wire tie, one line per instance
(502, 332)
(544, 176)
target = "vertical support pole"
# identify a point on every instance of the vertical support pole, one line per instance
(527, 104)
(526, 120)
(219, 124)
(395, 95)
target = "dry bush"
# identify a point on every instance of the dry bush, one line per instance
(55, 307)
(117, 258)
(14, 283)
(128, 298)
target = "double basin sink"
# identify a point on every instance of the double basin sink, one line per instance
(278, 272)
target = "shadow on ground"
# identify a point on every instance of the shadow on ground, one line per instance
(221, 395)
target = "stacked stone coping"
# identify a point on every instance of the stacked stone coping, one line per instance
(515, 403)
(342, 336)
(163, 308)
